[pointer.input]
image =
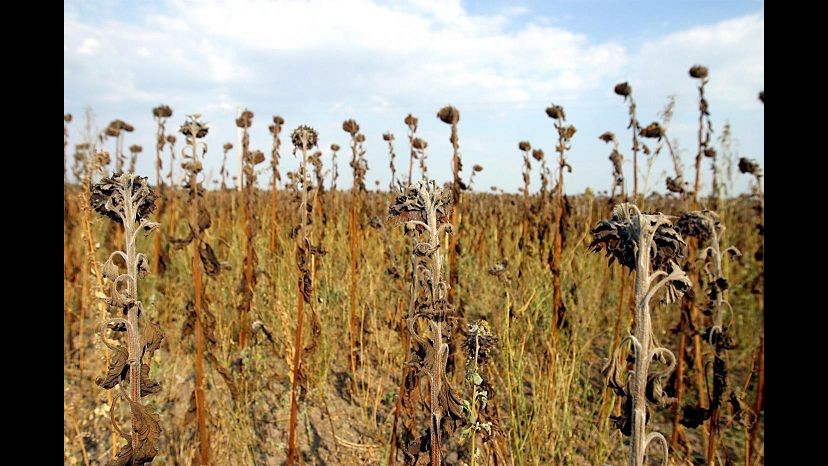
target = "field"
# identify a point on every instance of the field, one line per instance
(305, 323)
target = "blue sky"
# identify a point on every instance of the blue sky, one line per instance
(500, 63)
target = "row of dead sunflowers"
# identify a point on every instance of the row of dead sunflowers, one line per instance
(426, 212)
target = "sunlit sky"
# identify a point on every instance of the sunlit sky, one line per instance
(500, 63)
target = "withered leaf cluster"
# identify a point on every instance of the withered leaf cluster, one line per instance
(107, 197)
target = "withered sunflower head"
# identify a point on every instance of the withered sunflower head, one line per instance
(698, 71)
(698, 224)
(449, 115)
(555, 112)
(278, 120)
(351, 127)
(162, 111)
(419, 144)
(524, 146)
(537, 154)
(227, 146)
(256, 157)
(675, 185)
(335, 147)
(245, 120)
(710, 152)
(653, 131)
(170, 139)
(623, 89)
(761, 97)
(307, 133)
(608, 136)
(194, 127)
(135, 148)
(477, 168)
(749, 166)
(619, 237)
(411, 121)
(107, 196)
(360, 137)
(389, 136)
(67, 117)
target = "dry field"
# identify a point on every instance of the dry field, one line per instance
(307, 319)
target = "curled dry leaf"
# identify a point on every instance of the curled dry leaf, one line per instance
(117, 369)
(212, 266)
(148, 427)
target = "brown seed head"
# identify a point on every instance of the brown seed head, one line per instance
(449, 115)
(749, 166)
(411, 121)
(360, 137)
(170, 139)
(608, 136)
(420, 144)
(335, 147)
(524, 146)
(245, 120)
(477, 168)
(389, 136)
(710, 152)
(310, 135)
(257, 157)
(135, 148)
(653, 130)
(761, 97)
(67, 117)
(351, 127)
(623, 89)
(537, 154)
(555, 112)
(698, 71)
(227, 146)
(194, 127)
(162, 111)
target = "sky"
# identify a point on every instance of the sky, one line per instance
(501, 63)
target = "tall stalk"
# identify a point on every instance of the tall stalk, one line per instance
(411, 121)
(565, 133)
(160, 114)
(451, 116)
(193, 129)
(648, 244)
(625, 90)
(389, 138)
(128, 199)
(425, 209)
(275, 177)
(698, 72)
(751, 167)
(360, 167)
(248, 193)
(303, 138)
